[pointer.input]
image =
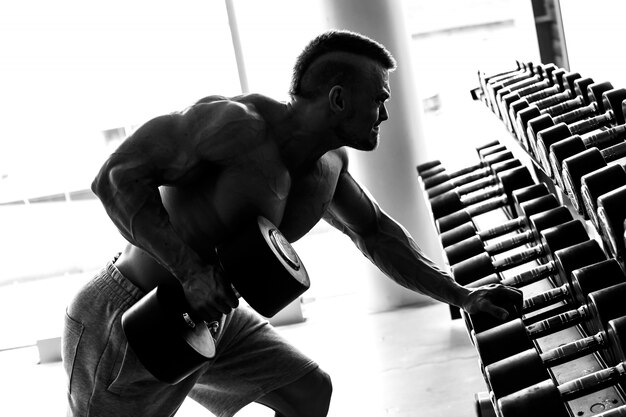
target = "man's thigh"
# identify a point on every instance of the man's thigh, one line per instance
(308, 396)
(252, 359)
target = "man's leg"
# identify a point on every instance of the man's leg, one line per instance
(256, 364)
(308, 396)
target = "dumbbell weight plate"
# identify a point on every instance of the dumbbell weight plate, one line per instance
(260, 264)
(263, 267)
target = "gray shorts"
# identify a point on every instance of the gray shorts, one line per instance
(106, 379)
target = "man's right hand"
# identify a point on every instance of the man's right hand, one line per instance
(209, 294)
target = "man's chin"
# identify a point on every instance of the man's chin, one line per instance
(366, 146)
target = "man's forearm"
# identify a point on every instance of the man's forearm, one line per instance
(394, 252)
(139, 215)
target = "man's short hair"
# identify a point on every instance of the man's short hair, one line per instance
(309, 80)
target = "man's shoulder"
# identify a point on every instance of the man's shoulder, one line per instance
(341, 156)
(220, 111)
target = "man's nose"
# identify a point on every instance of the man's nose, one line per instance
(383, 115)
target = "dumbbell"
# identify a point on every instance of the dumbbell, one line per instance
(490, 156)
(611, 214)
(493, 89)
(483, 406)
(515, 336)
(552, 239)
(530, 367)
(563, 103)
(467, 215)
(526, 209)
(487, 82)
(537, 223)
(573, 95)
(510, 180)
(545, 87)
(598, 183)
(565, 100)
(559, 270)
(427, 166)
(612, 103)
(538, 80)
(556, 82)
(430, 169)
(171, 344)
(576, 144)
(547, 399)
(478, 179)
(583, 118)
(563, 89)
(575, 167)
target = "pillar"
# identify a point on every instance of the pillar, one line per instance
(389, 172)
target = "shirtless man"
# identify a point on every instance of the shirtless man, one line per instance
(183, 182)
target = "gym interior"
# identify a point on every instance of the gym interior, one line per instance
(78, 78)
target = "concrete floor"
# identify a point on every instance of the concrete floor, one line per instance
(407, 362)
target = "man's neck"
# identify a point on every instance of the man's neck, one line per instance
(304, 135)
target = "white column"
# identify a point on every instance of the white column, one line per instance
(389, 172)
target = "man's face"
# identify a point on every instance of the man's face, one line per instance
(362, 127)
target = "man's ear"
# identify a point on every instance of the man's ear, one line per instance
(337, 99)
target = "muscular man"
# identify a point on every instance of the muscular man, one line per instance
(183, 182)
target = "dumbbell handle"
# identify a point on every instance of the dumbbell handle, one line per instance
(593, 382)
(546, 298)
(542, 94)
(525, 278)
(482, 195)
(502, 228)
(576, 114)
(538, 87)
(592, 123)
(573, 350)
(615, 152)
(516, 86)
(533, 275)
(476, 182)
(507, 243)
(487, 205)
(558, 322)
(519, 258)
(560, 104)
(604, 136)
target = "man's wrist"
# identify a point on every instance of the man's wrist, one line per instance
(461, 295)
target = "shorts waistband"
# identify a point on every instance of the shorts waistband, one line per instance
(111, 282)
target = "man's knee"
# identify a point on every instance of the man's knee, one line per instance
(324, 391)
(309, 396)
(314, 391)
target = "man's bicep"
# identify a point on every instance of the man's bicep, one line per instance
(153, 146)
(352, 206)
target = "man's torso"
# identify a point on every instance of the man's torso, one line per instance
(212, 202)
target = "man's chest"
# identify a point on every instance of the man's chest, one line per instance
(295, 204)
(214, 205)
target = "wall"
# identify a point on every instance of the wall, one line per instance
(591, 31)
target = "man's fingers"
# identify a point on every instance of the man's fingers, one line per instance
(500, 313)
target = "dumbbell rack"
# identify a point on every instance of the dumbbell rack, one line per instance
(589, 405)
